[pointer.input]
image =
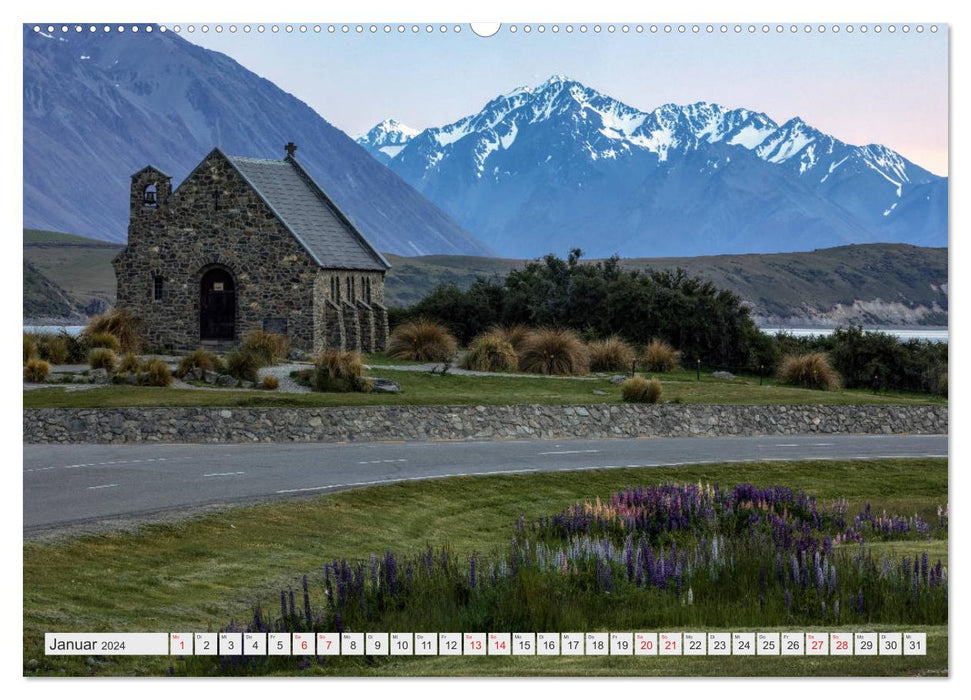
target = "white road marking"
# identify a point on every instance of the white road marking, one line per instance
(103, 486)
(570, 452)
(788, 445)
(822, 444)
(225, 474)
(383, 461)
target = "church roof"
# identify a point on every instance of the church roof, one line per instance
(309, 214)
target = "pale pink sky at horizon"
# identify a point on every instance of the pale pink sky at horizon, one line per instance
(887, 88)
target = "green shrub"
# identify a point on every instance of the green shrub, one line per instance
(122, 324)
(78, 346)
(104, 340)
(421, 341)
(30, 347)
(637, 389)
(811, 371)
(103, 358)
(243, 365)
(554, 351)
(154, 372)
(52, 347)
(272, 347)
(36, 370)
(491, 352)
(337, 371)
(199, 359)
(129, 363)
(610, 355)
(659, 356)
(269, 382)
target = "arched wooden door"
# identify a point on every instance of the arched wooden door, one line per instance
(217, 305)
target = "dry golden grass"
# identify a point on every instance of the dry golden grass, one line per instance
(554, 351)
(337, 371)
(491, 352)
(611, 355)
(659, 356)
(422, 341)
(637, 389)
(129, 363)
(155, 372)
(516, 335)
(811, 371)
(272, 347)
(199, 359)
(122, 324)
(36, 370)
(103, 358)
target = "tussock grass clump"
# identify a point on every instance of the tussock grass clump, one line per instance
(611, 355)
(103, 358)
(516, 335)
(270, 383)
(104, 340)
(272, 347)
(337, 371)
(422, 341)
(122, 324)
(243, 365)
(154, 372)
(199, 359)
(30, 347)
(52, 347)
(637, 389)
(554, 351)
(129, 363)
(812, 371)
(36, 370)
(491, 352)
(660, 356)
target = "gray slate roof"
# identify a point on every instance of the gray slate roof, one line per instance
(309, 214)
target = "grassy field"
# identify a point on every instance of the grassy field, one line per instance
(204, 572)
(422, 388)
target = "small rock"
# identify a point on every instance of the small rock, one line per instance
(599, 392)
(225, 380)
(98, 376)
(723, 375)
(197, 373)
(383, 386)
(210, 377)
(130, 378)
(618, 379)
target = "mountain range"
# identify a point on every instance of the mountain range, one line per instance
(97, 107)
(559, 165)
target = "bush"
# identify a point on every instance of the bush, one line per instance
(659, 356)
(421, 341)
(103, 358)
(491, 352)
(36, 370)
(554, 351)
(52, 348)
(637, 389)
(336, 370)
(154, 373)
(270, 383)
(811, 371)
(30, 347)
(272, 347)
(129, 363)
(199, 359)
(610, 355)
(243, 365)
(122, 324)
(104, 340)
(516, 335)
(78, 346)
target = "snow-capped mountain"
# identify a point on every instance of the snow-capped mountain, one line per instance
(386, 140)
(98, 107)
(560, 165)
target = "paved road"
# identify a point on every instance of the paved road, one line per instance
(66, 485)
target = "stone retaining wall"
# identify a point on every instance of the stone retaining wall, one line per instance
(371, 423)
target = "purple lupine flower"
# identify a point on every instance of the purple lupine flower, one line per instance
(293, 611)
(608, 578)
(306, 604)
(472, 572)
(283, 604)
(788, 600)
(338, 622)
(923, 566)
(836, 609)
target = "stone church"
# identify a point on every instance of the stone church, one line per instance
(248, 244)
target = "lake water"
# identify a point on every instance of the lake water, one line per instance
(936, 335)
(72, 330)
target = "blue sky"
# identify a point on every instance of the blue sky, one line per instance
(862, 88)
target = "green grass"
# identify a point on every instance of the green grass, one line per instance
(422, 388)
(203, 572)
